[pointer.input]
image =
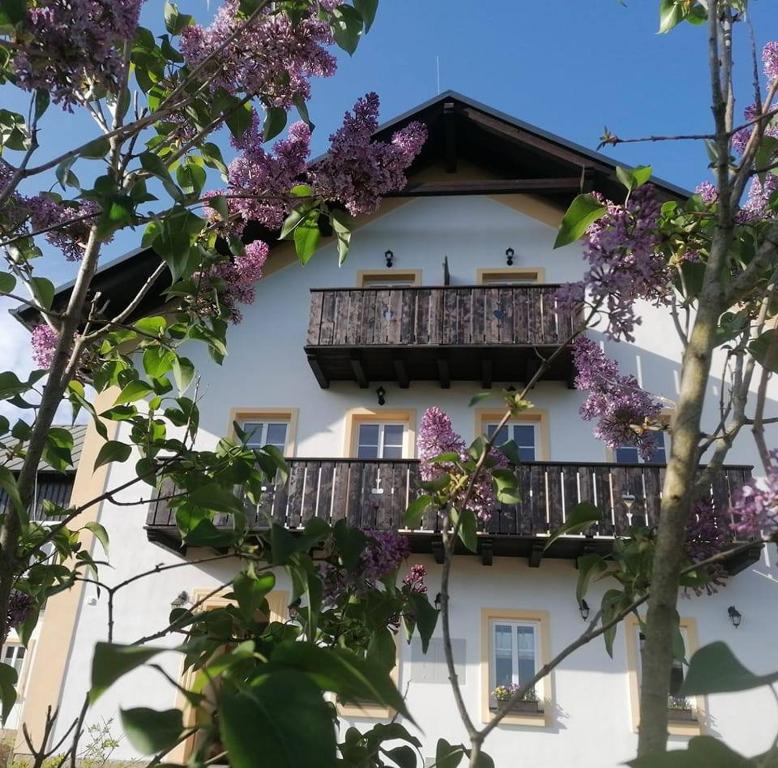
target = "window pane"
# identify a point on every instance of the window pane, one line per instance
(368, 435)
(367, 452)
(276, 435)
(524, 435)
(502, 435)
(393, 434)
(392, 452)
(526, 645)
(627, 454)
(527, 454)
(503, 654)
(660, 455)
(255, 437)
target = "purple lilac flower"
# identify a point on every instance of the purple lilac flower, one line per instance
(437, 436)
(44, 344)
(357, 171)
(414, 579)
(233, 282)
(73, 48)
(706, 536)
(707, 192)
(757, 205)
(755, 508)
(770, 60)
(741, 137)
(625, 411)
(272, 56)
(20, 604)
(625, 262)
(72, 230)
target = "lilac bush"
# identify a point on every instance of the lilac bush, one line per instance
(44, 341)
(755, 508)
(626, 413)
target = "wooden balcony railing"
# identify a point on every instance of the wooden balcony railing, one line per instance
(374, 495)
(51, 487)
(442, 334)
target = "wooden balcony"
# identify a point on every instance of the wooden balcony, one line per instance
(374, 494)
(473, 333)
(52, 487)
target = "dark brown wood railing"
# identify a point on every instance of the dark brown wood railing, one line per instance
(51, 487)
(374, 494)
(523, 315)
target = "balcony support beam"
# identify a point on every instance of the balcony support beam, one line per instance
(444, 372)
(536, 554)
(318, 371)
(437, 551)
(487, 551)
(359, 370)
(401, 372)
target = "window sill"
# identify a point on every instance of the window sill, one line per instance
(366, 710)
(531, 716)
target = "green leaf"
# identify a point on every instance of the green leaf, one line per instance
(416, 509)
(175, 21)
(350, 544)
(275, 122)
(135, 390)
(152, 326)
(448, 755)
(183, 373)
(65, 176)
(475, 399)
(588, 565)
(404, 756)
(96, 149)
(7, 282)
(151, 731)
(306, 237)
(112, 661)
(702, 752)
(8, 484)
(506, 486)
(715, 669)
(671, 13)
(113, 450)
(8, 679)
(584, 514)
(43, 290)
(280, 720)
(612, 601)
(367, 10)
(468, 527)
(583, 211)
(632, 178)
(765, 349)
(99, 533)
(426, 616)
(42, 101)
(250, 590)
(215, 498)
(157, 361)
(341, 671)
(12, 12)
(346, 25)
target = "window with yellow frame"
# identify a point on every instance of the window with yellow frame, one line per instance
(686, 716)
(277, 603)
(514, 646)
(499, 276)
(388, 278)
(267, 426)
(380, 434)
(529, 430)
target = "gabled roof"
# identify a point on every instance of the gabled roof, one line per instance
(517, 156)
(79, 433)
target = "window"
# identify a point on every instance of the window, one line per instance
(268, 426)
(380, 441)
(259, 434)
(13, 655)
(510, 276)
(380, 433)
(629, 454)
(515, 646)
(388, 278)
(524, 435)
(685, 715)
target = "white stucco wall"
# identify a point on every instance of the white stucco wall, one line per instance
(267, 368)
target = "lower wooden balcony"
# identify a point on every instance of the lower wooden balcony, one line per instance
(373, 495)
(442, 334)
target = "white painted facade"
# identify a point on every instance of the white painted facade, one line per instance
(590, 710)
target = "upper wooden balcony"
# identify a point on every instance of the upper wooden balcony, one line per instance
(452, 333)
(374, 494)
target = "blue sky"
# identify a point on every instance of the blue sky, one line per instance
(568, 66)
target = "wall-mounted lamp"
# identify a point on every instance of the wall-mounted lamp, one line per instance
(734, 616)
(509, 253)
(583, 607)
(389, 256)
(438, 601)
(180, 600)
(381, 394)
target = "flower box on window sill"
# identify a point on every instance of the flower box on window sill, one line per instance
(680, 709)
(520, 707)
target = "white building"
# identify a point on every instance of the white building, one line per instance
(442, 295)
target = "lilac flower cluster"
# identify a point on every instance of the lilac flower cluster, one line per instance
(384, 553)
(44, 343)
(437, 436)
(74, 48)
(705, 537)
(626, 264)
(259, 181)
(755, 509)
(707, 192)
(272, 55)
(70, 223)
(625, 411)
(770, 66)
(223, 287)
(20, 604)
(770, 60)
(414, 579)
(357, 170)
(757, 205)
